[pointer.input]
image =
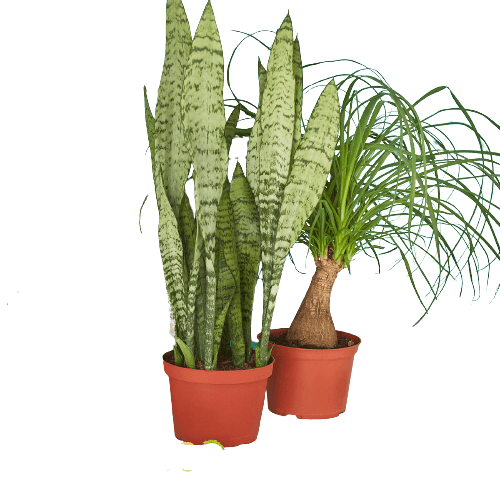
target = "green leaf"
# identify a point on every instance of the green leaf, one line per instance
(171, 153)
(179, 359)
(311, 166)
(150, 126)
(248, 250)
(213, 441)
(203, 118)
(228, 285)
(255, 140)
(171, 256)
(269, 352)
(297, 73)
(257, 357)
(171, 150)
(277, 120)
(188, 356)
(258, 361)
(230, 129)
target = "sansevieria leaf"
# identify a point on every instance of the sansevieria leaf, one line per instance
(229, 133)
(292, 171)
(203, 118)
(312, 162)
(299, 90)
(211, 252)
(247, 236)
(277, 119)
(150, 127)
(255, 140)
(188, 355)
(171, 255)
(172, 154)
(272, 159)
(228, 254)
(311, 165)
(178, 357)
(230, 128)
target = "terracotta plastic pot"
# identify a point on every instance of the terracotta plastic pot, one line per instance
(310, 383)
(222, 405)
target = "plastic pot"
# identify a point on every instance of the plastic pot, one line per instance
(221, 405)
(310, 383)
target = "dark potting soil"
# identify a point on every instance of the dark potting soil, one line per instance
(282, 340)
(224, 363)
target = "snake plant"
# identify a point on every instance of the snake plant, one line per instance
(211, 256)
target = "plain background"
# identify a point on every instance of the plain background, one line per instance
(86, 409)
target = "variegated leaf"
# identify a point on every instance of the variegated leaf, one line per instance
(227, 253)
(312, 162)
(230, 129)
(277, 119)
(203, 118)
(247, 235)
(254, 142)
(297, 73)
(150, 127)
(172, 154)
(171, 255)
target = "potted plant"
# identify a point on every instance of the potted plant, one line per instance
(211, 259)
(390, 180)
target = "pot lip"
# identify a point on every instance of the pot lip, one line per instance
(218, 372)
(323, 352)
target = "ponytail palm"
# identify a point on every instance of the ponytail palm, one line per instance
(395, 184)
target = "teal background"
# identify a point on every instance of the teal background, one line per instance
(104, 272)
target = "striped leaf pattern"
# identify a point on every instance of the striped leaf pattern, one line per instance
(199, 284)
(223, 272)
(247, 235)
(254, 142)
(312, 162)
(277, 119)
(171, 150)
(186, 223)
(299, 90)
(228, 285)
(150, 127)
(287, 172)
(211, 261)
(310, 170)
(203, 118)
(171, 154)
(230, 128)
(171, 255)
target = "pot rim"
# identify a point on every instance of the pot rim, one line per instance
(318, 354)
(217, 376)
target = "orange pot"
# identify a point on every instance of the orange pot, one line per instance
(221, 405)
(310, 383)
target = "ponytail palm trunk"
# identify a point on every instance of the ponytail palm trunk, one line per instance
(313, 325)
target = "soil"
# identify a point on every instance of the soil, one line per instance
(282, 340)
(224, 363)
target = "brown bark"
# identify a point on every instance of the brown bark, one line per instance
(313, 325)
